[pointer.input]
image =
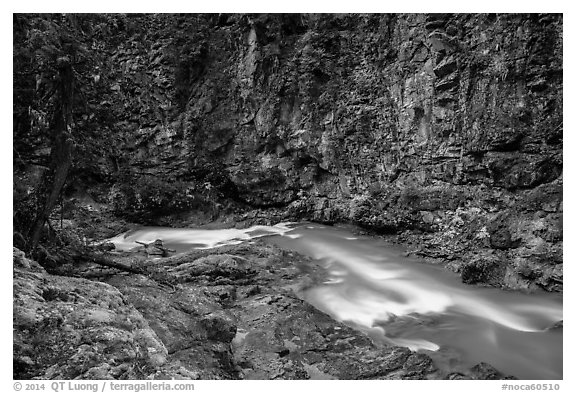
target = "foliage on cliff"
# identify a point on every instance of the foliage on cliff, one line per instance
(60, 126)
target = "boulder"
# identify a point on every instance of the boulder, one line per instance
(485, 371)
(485, 268)
(73, 328)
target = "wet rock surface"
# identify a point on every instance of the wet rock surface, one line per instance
(197, 327)
(281, 337)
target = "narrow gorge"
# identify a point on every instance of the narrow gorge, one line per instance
(288, 196)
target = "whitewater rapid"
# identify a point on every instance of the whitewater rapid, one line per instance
(397, 300)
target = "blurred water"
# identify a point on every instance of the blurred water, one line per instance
(370, 286)
(185, 239)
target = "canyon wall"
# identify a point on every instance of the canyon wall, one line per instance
(443, 129)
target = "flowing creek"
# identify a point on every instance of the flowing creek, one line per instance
(372, 287)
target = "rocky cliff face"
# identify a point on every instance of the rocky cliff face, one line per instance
(443, 129)
(447, 125)
(336, 106)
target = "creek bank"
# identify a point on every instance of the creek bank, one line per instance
(229, 313)
(491, 237)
